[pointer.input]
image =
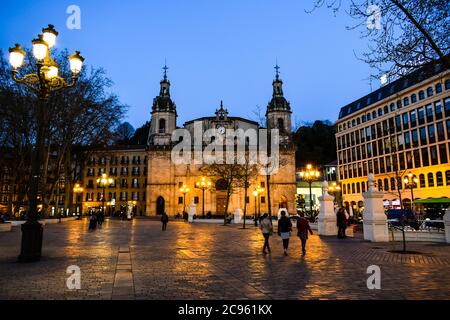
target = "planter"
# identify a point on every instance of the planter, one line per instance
(5, 227)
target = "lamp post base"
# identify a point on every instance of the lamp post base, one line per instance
(31, 249)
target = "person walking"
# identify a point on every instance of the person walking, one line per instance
(303, 228)
(164, 220)
(101, 218)
(93, 221)
(284, 230)
(341, 221)
(266, 229)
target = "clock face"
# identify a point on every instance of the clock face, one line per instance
(221, 130)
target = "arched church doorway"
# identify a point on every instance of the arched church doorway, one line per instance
(160, 206)
(283, 202)
(221, 196)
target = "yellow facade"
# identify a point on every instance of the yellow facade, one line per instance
(127, 166)
(405, 131)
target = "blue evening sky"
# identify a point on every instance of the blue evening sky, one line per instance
(215, 49)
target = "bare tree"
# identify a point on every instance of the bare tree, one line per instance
(404, 34)
(124, 133)
(229, 174)
(259, 116)
(84, 115)
(247, 172)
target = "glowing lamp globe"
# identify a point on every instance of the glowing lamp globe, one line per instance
(49, 35)
(39, 48)
(76, 62)
(16, 56)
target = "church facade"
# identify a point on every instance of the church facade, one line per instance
(167, 180)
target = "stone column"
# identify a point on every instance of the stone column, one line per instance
(192, 212)
(238, 216)
(374, 218)
(327, 217)
(447, 225)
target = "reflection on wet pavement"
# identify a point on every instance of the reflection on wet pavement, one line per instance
(204, 261)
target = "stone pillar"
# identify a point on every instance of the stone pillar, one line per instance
(374, 218)
(327, 216)
(238, 216)
(447, 225)
(192, 212)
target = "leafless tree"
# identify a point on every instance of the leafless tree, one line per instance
(84, 115)
(403, 34)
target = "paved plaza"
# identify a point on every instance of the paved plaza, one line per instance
(136, 260)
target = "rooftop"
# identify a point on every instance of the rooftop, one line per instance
(427, 71)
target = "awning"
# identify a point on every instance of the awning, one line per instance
(433, 201)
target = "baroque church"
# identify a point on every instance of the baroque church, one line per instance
(165, 178)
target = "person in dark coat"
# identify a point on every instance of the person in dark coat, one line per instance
(341, 222)
(303, 228)
(100, 218)
(93, 222)
(164, 220)
(284, 230)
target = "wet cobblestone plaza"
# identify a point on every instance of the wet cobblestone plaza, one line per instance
(136, 260)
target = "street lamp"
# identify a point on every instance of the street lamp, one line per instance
(43, 83)
(77, 189)
(310, 175)
(256, 194)
(184, 190)
(103, 182)
(335, 189)
(411, 182)
(203, 184)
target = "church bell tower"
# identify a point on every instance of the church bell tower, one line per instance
(164, 115)
(278, 115)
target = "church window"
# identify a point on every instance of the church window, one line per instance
(280, 124)
(162, 125)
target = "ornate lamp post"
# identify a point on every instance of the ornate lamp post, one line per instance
(411, 182)
(310, 175)
(103, 182)
(335, 190)
(184, 190)
(203, 184)
(77, 189)
(43, 83)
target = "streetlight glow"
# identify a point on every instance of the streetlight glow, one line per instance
(204, 185)
(49, 35)
(310, 175)
(16, 56)
(40, 48)
(76, 62)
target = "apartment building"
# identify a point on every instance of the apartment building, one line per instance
(127, 167)
(400, 131)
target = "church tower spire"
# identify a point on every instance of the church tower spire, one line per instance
(278, 115)
(165, 83)
(277, 83)
(164, 115)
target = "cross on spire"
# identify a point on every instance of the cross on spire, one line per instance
(277, 68)
(165, 69)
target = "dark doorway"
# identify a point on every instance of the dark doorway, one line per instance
(160, 206)
(221, 204)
